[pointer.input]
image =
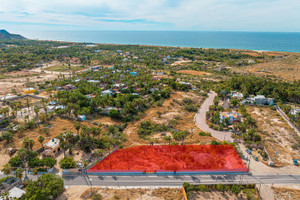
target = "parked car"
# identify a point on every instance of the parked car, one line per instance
(245, 157)
(255, 157)
(79, 165)
(248, 151)
(295, 161)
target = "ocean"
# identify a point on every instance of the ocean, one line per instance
(265, 41)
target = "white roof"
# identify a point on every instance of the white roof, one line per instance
(54, 142)
(14, 193)
(260, 97)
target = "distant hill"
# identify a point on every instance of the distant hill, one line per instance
(6, 35)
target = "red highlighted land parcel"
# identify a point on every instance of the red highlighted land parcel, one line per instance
(172, 158)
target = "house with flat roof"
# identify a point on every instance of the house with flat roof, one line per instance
(52, 148)
(14, 193)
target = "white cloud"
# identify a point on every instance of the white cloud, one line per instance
(255, 15)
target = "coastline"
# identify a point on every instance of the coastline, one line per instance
(166, 46)
(255, 41)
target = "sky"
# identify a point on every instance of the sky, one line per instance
(171, 15)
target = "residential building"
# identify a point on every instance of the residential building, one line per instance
(236, 95)
(234, 117)
(52, 148)
(262, 100)
(295, 111)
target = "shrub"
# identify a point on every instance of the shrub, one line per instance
(97, 196)
(8, 136)
(190, 108)
(116, 114)
(214, 142)
(202, 133)
(235, 189)
(67, 163)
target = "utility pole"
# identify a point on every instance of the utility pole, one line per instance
(91, 186)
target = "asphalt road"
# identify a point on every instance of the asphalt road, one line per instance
(200, 119)
(174, 181)
(169, 181)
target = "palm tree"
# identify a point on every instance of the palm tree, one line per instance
(62, 143)
(168, 139)
(235, 127)
(77, 126)
(250, 122)
(85, 165)
(28, 104)
(26, 143)
(37, 110)
(41, 140)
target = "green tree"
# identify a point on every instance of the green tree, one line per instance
(67, 163)
(168, 139)
(47, 187)
(41, 140)
(19, 173)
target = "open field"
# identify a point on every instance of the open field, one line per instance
(276, 134)
(63, 68)
(283, 193)
(170, 110)
(286, 68)
(135, 194)
(193, 72)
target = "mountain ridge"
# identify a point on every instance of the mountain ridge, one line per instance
(6, 35)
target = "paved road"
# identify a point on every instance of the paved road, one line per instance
(175, 181)
(200, 120)
(166, 181)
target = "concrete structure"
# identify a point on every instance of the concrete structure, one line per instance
(234, 117)
(52, 148)
(14, 193)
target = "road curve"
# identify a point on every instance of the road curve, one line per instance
(200, 120)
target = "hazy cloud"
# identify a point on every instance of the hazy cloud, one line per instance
(242, 15)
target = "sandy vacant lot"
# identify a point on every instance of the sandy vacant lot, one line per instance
(277, 135)
(193, 72)
(286, 67)
(170, 110)
(83, 192)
